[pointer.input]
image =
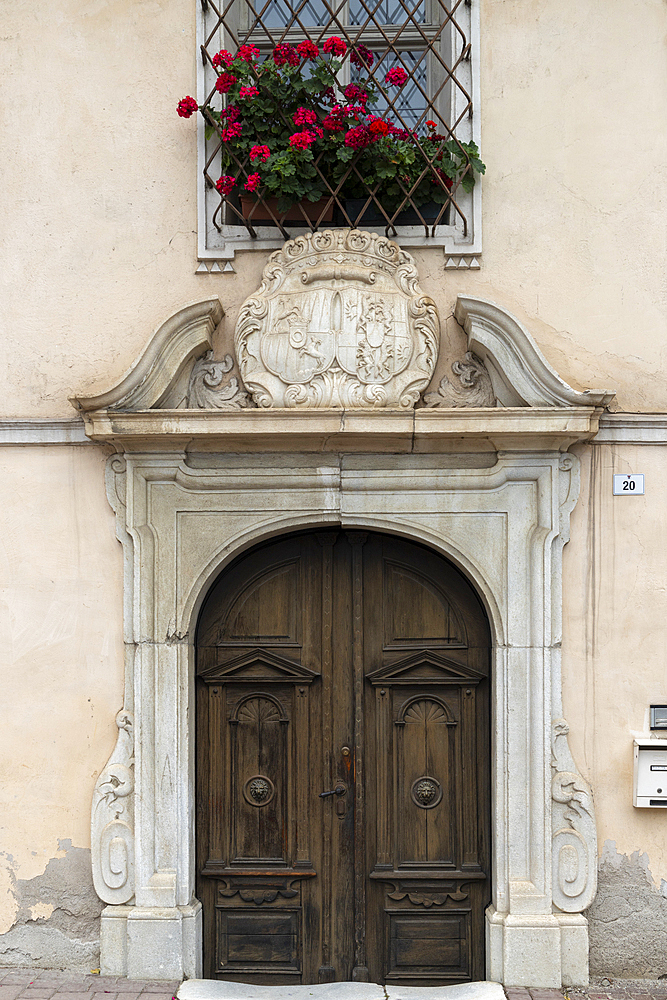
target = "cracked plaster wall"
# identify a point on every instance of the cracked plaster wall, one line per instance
(628, 919)
(56, 922)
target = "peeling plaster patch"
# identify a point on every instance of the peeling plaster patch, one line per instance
(628, 918)
(57, 915)
(8, 903)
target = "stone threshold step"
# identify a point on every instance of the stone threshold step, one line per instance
(212, 989)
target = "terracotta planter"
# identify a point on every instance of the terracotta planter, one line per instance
(313, 210)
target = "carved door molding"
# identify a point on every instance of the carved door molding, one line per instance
(357, 665)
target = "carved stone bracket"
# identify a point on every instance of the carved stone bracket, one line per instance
(574, 833)
(112, 819)
(475, 385)
(338, 321)
(206, 390)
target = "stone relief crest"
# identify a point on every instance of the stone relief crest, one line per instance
(338, 321)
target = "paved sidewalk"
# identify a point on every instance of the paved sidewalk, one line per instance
(45, 984)
(42, 984)
(598, 989)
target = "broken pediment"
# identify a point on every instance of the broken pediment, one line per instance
(258, 665)
(504, 366)
(425, 667)
(340, 323)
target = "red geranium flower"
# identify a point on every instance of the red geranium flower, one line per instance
(248, 53)
(358, 137)
(225, 82)
(304, 116)
(334, 120)
(447, 181)
(225, 184)
(378, 127)
(260, 153)
(187, 107)
(246, 93)
(302, 140)
(285, 53)
(231, 131)
(223, 58)
(308, 49)
(253, 182)
(354, 93)
(396, 76)
(335, 46)
(361, 55)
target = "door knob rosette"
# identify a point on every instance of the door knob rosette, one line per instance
(258, 790)
(426, 792)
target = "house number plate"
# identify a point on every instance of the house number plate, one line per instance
(629, 486)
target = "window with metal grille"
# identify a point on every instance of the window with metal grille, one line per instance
(429, 45)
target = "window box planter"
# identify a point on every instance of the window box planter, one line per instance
(259, 213)
(372, 216)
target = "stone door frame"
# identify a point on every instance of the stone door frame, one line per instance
(492, 490)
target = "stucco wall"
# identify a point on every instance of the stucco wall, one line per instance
(99, 191)
(62, 684)
(615, 636)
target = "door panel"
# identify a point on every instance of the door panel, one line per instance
(354, 664)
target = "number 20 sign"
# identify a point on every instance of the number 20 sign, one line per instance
(629, 486)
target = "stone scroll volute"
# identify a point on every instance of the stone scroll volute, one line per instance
(574, 843)
(112, 819)
(338, 321)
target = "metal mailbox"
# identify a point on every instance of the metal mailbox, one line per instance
(650, 774)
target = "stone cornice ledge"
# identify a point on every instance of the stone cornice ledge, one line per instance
(423, 430)
(632, 428)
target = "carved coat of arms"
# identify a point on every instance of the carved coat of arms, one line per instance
(339, 321)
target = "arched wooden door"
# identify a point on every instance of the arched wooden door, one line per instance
(343, 827)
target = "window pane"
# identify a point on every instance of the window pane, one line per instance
(409, 102)
(388, 11)
(281, 14)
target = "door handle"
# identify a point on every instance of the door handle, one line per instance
(338, 790)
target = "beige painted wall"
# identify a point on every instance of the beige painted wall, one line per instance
(98, 247)
(615, 637)
(98, 196)
(62, 654)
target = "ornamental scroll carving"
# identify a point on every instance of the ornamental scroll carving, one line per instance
(338, 321)
(475, 387)
(112, 833)
(207, 390)
(574, 835)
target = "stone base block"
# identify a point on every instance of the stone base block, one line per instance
(113, 940)
(545, 950)
(574, 948)
(151, 942)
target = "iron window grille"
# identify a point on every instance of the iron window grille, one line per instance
(434, 41)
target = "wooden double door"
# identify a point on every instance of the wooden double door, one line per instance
(343, 765)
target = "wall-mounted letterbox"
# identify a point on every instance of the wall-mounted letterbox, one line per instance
(650, 774)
